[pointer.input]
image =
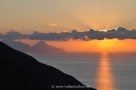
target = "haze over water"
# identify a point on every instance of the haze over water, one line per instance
(108, 71)
(93, 46)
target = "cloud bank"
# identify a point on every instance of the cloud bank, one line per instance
(119, 33)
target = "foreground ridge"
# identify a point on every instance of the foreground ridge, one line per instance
(20, 71)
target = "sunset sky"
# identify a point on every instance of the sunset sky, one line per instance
(104, 46)
(64, 15)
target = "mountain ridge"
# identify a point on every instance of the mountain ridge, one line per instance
(42, 47)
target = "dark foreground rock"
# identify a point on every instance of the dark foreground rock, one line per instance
(19, 71)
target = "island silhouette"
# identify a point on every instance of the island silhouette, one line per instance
(40, 47)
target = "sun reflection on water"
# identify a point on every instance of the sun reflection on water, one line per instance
(105, 79)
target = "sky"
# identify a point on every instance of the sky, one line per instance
(64, 15)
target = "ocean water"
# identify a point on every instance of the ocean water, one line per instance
(104, 71)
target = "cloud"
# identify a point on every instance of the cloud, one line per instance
(52, 24)
(12, 35)
(120, 33)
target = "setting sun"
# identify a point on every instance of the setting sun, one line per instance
(109, 45)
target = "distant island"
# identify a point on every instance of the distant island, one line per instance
(119, 33)
(40, 48)
(22, 72)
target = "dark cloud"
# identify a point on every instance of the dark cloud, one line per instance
(120, 33)
(12, 35)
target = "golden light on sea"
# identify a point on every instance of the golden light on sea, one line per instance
(105, 79)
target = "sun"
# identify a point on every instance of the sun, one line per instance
(108, 45)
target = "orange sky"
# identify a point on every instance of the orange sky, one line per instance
(111, 45)
(64, 15)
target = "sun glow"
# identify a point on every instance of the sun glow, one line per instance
(109, 45)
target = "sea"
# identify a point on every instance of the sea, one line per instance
(103, 71)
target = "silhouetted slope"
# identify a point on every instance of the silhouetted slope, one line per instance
(19, 71)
